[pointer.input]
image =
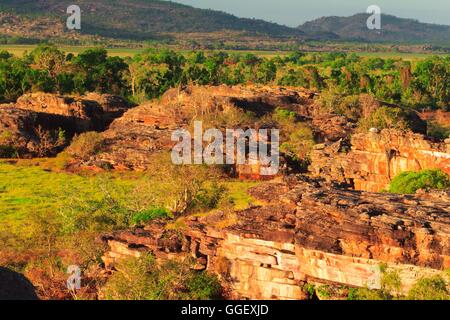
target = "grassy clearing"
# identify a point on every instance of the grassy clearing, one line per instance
(19, 50)
(30, 187)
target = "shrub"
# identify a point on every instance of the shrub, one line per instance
(86, 145)
(391, 285)
(7, 148)
(366, 294)
(181, 189)
(203, 286)
(334, 102)
(393, 118)
(151, 214)
(437, 131)
(49, 143)
(434, 288)
(284, 115)
(299, 142)
(143, 279)
(409, 182)
(310, 290)
(324, 292)
(208, 197)
(390, 281)
(8, 151)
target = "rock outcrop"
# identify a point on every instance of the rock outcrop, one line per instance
(20, 129)
(146, 129)
(93, 112)
(372, 160)
(23, 123)
(306, 232)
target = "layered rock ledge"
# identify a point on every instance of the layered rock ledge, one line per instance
(307, 232)
(371, 160)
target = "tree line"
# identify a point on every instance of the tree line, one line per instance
(424, 83)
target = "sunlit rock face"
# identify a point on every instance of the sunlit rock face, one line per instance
(23, 123)
(91, 112)
(372, 160)
(306, 231)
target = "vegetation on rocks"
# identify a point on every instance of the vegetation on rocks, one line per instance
(85, 145)
(142, 279)
(391, 118)
(409, 182)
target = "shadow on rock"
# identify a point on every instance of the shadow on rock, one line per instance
(14, 286)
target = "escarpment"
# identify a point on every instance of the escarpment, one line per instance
(328, 226)
(371, 160)
(308, 232)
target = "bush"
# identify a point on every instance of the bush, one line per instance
(7, 148)
(409, 182)
(334, 102)
(143, 279)
(299, 143)
(434, 288)
(366, 294)
(151, 214)
(437, 131)
(203, 286)
(86, 145)
(393, 118)
(281, 115)
(8, 152)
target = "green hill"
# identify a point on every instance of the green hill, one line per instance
(154, 19)
(143, 19)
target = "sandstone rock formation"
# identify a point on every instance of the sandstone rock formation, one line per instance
(23, 122)
(371, 160)
(307, 231)
(93, 112)
(20, 129)
(147, 128)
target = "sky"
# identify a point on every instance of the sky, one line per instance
(296, 12)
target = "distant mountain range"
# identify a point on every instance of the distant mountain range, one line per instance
(148, 19)
(393, 29)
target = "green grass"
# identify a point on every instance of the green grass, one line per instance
(31, 189)
(27, 188)
(19, 50)
(237, 194)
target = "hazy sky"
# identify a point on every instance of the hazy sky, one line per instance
(295, 12)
